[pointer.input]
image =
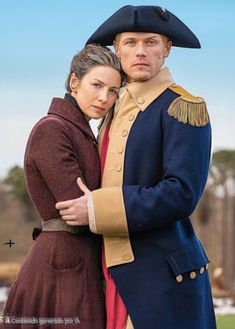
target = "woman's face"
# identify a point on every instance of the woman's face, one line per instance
(97, 91)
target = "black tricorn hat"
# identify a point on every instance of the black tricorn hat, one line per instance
(145, 19)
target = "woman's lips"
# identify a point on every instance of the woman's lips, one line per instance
(98, 108)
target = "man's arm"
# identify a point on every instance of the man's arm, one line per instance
(186, 157)
(185, 164)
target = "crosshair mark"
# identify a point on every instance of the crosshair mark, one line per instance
(9, 243)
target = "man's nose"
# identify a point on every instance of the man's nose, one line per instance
(140, 50)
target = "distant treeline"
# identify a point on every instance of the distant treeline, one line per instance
(214, 218)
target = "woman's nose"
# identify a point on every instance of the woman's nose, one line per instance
(103, 96)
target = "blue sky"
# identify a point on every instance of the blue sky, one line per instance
(39, 38)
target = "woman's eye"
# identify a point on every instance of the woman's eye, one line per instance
(97, 85)
(113, 91)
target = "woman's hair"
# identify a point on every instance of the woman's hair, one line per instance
(90, 56)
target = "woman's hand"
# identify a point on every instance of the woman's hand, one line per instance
(75, 212)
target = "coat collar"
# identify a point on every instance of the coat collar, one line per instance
(144, 93)
(65, 109)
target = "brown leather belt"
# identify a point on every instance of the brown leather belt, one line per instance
(59, 224)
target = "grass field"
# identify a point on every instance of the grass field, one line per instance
(226, 322)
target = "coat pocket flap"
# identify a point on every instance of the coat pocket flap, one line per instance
(187, 259)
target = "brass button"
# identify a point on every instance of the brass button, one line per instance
(120, 149)
(118, 167)
(202, 270)
(126, 257)
(131, 117)
(124, 133)
(192, 275)
(207, 266)
(174, 85)
(179, 278)
(140, 100)
(123, 240)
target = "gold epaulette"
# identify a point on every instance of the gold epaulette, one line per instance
(188, 108)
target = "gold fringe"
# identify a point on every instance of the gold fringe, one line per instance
(188, 112)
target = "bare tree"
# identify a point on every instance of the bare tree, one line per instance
(222, 174)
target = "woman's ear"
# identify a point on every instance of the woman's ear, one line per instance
(74, 82)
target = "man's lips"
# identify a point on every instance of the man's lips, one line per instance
(140, 64)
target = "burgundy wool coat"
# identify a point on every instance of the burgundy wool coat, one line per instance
(61, 275)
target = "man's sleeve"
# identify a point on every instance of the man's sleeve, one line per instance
(107, 212)
(186, 157)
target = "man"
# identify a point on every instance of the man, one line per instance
(155, 170)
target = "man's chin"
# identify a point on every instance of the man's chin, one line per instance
(140, 77)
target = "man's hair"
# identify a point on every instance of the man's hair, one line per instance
(118, 37)
(90, 56)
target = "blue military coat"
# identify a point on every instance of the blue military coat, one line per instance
(165, 168)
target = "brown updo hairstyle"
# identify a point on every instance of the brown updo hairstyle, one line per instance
(90, 56)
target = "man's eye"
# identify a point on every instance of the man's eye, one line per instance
(151, 42)
(130, 42)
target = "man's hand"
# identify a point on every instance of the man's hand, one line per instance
(75, 211)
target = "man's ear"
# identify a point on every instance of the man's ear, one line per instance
(116, 49)
(116, 44)
(74, 82)
(167, 49)
(117, 53)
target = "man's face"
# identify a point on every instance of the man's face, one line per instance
(142, 54)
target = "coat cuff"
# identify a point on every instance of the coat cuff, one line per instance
(110, 220)
(91, 214)
(109, 211)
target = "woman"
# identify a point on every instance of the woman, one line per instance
(60, 281)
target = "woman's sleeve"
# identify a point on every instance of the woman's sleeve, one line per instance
(51, 153)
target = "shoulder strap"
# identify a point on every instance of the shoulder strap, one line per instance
(187, 108)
